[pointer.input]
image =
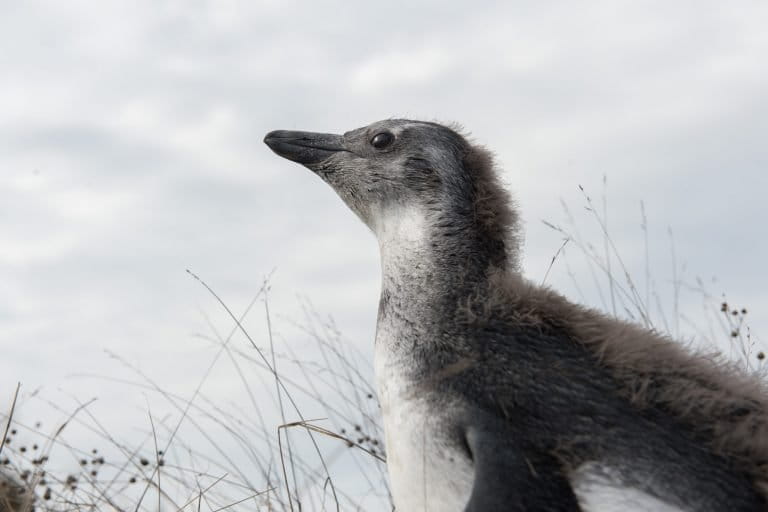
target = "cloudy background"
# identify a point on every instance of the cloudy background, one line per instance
(130, 151)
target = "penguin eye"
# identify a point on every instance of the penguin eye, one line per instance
(382, 140)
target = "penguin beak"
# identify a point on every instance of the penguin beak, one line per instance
(306, 148)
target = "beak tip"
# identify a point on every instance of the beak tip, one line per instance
(269, 138)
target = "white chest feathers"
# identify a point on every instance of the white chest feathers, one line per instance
(597, 491)
(426, 471)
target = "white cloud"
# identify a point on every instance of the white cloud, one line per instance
(404, 68)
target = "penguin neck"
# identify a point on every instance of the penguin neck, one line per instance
(430, 262)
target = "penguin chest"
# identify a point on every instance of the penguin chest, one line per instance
(427, 468)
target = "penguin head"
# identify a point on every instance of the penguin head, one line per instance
(401, 165)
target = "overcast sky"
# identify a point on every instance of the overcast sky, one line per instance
(130, 151)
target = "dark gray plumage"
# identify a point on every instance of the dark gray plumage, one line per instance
(500, 395)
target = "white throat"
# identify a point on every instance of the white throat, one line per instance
(402, 235)
(400, 227)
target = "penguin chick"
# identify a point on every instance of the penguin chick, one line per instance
(500, 395)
